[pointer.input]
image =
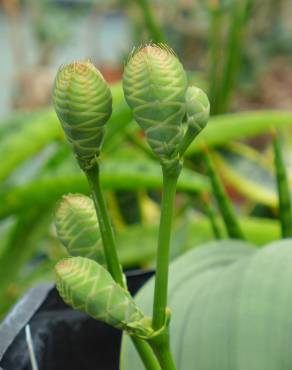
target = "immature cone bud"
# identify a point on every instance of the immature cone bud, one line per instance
(197, 107)
(154, 85)
(88, 287)
(77, 227)
(83, 103)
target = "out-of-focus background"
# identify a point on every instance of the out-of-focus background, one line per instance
(39, 35)
(238, 51)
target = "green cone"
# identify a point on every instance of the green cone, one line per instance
(154, 85)
(83, 103)
(198, 112)
(87, 286)
(77, 227)
(197, 108)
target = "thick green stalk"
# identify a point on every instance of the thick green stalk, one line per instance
(111, 255)
(224, 204)
(165, 358)
(161, 347)
(285, 209)
(106, 229)
(147, 356)
(161, 277)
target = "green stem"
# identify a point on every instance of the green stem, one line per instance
(211, 216)
(161, 347)
(105, 226)
(151, 23)
(111, 255)
(188, 138)
(161, 277)
(146, 354)
(224, 204)
(283, 190)
(235, 42)
(215, 31)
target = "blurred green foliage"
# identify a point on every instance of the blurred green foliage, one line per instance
(38, 169)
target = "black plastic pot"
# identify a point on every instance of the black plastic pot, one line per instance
(62, 337)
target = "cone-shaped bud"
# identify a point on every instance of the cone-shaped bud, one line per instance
(87, 286)
(83, 103)
(77, 227)
(197, 108)
(154, 85)
(198, 112)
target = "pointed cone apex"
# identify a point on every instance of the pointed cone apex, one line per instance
(87, 286)
(154, 85)
(77, 227)
(83, 103)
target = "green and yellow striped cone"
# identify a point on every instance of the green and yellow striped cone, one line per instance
(83, 104)
(154, 84)
(87, 286)
(77, 227)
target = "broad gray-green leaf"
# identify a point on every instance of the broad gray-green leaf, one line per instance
(231, 308)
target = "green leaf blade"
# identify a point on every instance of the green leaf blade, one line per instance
(231, 308)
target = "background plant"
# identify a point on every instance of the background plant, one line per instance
(38, 169)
